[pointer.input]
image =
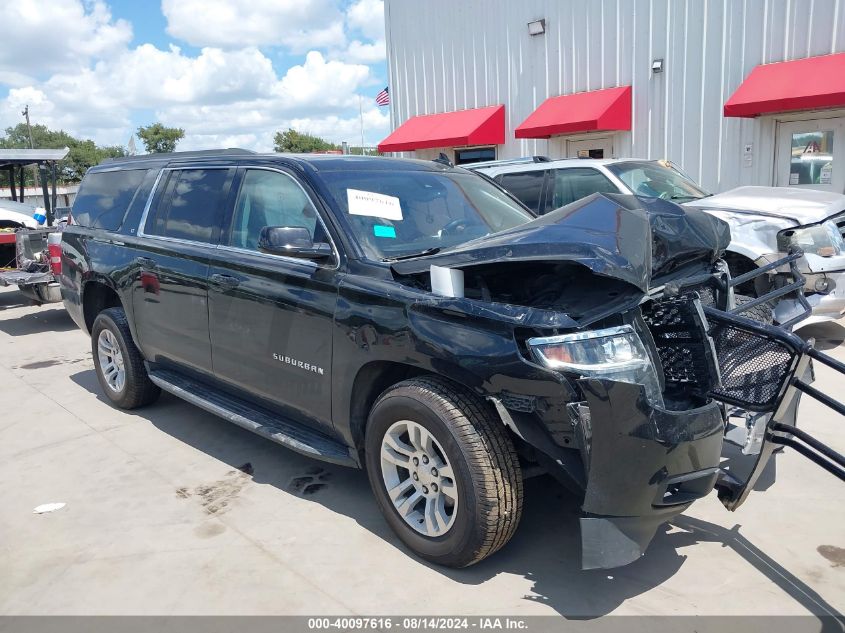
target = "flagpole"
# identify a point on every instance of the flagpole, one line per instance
(361, 114)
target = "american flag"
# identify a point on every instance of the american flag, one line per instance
(383, 98)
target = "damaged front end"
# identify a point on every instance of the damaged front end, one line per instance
(646, 462)
(627, 302)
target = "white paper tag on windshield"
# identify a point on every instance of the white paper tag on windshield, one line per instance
(376, 205)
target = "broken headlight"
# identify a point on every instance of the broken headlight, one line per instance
(822, 239)
(615, 353)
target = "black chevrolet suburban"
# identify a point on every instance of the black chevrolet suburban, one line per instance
(413, 319)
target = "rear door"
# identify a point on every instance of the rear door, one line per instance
(526, 186)
(271, 317)
(573, 183)
(179, 231)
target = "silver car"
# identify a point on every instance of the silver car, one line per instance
(764, 221)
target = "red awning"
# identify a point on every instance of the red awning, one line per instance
(596, 110)
(481, 126)
(814, 83)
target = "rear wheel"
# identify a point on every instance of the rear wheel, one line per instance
(444, 472)
(118, 363)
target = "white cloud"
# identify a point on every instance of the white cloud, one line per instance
(228, 94)
(148, 77)
(298, 25)
(368, 17)
(319, 84)
(218, 96)
(252, 124)
(55, 35)
(207, 133)
(101, 119)
(338, 129)
(362, 53)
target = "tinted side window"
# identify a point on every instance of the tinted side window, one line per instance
(191, 205)
(270, 198)
(526, 186)
(104, 197)
(579, 182)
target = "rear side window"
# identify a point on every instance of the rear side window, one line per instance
(104, 197)
(527, 186)
(190, 206)
(578, 182)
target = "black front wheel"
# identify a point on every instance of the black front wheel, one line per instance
(443, 470)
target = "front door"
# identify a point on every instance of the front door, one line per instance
(590, 148)
(811, 154)
(271, 317)
(170, 295)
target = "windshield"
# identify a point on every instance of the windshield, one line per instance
(404, 213)
(657, 180)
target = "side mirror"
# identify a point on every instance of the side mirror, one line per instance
(292, 241)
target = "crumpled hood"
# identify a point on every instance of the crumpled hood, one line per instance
(802, 206)
(630, 238)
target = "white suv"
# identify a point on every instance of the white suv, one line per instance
(764, 220)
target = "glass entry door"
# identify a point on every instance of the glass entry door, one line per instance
(812, 154)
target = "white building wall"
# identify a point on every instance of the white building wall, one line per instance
(446, 55)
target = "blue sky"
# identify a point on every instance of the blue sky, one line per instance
(230, 72)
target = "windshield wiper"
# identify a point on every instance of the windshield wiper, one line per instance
(428, 251)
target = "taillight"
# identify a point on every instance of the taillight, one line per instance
(54, 249)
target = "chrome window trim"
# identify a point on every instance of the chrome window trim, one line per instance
(225, 247)
(273, 257)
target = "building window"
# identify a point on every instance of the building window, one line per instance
(812, 158)
(474, 155)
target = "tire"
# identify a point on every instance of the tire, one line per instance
(471, 440)
(761, 313)
(136, 389)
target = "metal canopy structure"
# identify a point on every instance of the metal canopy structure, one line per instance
(45, 159)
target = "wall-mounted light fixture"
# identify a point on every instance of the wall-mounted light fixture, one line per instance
(657, 66)
(537, 27)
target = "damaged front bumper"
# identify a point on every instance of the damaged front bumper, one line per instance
(823, 296)
(644, 466)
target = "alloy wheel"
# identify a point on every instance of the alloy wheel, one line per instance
(111, 360)
(418, 478)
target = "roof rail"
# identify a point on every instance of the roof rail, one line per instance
(510, 161)
(169, 155)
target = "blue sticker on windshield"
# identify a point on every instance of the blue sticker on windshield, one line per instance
(380, 230)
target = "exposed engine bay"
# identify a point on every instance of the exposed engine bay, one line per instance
(629, 301)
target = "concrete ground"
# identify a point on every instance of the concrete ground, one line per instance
(161, 520)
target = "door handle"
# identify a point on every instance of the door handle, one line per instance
(227, 282)
(146, 262)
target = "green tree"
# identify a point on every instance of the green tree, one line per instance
(300, 142)
(159, 139)
(83, 153)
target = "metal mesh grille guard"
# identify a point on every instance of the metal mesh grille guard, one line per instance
(758, 364)
(686, 354)
(754, 367)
